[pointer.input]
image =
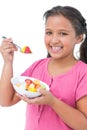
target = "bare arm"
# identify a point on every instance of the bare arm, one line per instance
(75, 118)
(7, 94)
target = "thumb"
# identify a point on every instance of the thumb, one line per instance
(43, 91)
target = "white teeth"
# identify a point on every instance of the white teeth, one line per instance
(56, 48)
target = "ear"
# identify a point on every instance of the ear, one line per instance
(80, 38)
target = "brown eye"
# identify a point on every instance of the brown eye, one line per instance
(48, 33)
(63, 33)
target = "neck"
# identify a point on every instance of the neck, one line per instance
(64, 62)
(57, 67)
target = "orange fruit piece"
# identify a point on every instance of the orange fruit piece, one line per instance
(18, 84)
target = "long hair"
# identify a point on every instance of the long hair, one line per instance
(83, 50)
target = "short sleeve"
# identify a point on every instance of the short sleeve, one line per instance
(30, 69)
(82, 87)
(35, 68)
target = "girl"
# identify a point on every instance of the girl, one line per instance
(64, 107)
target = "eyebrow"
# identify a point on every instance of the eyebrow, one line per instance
(47, 29)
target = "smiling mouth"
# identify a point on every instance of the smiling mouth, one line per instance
(56, 49)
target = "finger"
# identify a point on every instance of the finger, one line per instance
(31, 100)
(8, 40)
(10, 47)
(20, 96)
(43, 91)
(24, 98)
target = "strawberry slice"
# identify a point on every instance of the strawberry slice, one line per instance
(27, 50)
(28, 81)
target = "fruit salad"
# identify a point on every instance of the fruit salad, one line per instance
(33, 86)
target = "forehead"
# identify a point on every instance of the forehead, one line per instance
(58, 21)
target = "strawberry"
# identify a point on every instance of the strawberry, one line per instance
(28, 81)
(27, 50)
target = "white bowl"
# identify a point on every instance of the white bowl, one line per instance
(21, 89)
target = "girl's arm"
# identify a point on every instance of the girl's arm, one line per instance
(7, 93)
(75, 118)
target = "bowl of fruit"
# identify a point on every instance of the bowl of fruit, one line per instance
(28, 86)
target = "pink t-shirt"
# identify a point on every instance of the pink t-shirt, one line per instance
(68, 87)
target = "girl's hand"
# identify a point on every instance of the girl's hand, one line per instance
(7, 49)
(46, 98)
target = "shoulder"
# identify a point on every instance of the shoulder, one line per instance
(82, 66)
(41, 62)
(82, 63)
(36, 66)
(81, 73)
(80, 70)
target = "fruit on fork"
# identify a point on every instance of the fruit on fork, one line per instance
(25, 49)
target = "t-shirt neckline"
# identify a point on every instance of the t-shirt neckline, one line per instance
(64, 74)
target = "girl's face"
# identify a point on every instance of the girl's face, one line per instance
(60, 37)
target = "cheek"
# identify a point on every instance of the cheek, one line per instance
(46, 40)
(69, 46)
(68, 42)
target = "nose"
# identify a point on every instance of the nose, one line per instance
(54, 39)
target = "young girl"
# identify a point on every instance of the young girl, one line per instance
(64, 107)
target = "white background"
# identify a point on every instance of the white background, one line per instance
(23, 21)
